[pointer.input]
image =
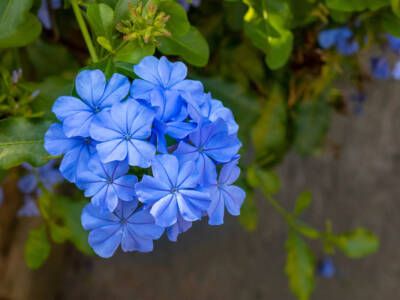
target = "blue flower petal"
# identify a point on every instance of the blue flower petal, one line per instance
(90, 85)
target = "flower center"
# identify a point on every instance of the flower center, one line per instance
(127, 137)
(110, 180)
(124, 221)
(96, 109)
(87, 141)
(174, 190)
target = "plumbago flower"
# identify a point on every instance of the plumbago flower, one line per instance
(133, 230)
(342, 38)
(166, 124)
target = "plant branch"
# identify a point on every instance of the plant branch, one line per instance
(84, 30)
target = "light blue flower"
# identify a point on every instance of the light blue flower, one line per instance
(76, 150)
(380, 67)
(43, 13)
(29, 209)
(172, 191)
(396, 71)
(95, 95)
(342, 38)
(213, 110)
(208, 145)
(161, 75)
(132, 230)
(122, 133)
(224, 194)
(106, 183)
(179, 227)
(394, 42)
(1, 195)
(186, 4)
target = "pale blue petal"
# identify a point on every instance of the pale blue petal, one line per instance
(179, 130)
(142, 223)
(140, 153)
(165, 211)
(188, 211)
(56, 143)
(91, 218)
(125, 187)
(164, 71)
(66, 106)
(229, 174)
(178, 73)
(150, 189)
(116, 90)
(188, 176)
(141, 89)
(106, 240)
(113, 150)
(78, 124)
(165, 168)
(216, 209)
(131, 241)
(28, 183)
(179, 227)
(234, 197)
(89, 85)
(147, 69)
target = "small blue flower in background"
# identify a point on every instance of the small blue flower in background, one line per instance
(43, 13)
(224, 194)
(358, 99)
(29, 209)
(132, 230)
(172, 191)
(76, 150)
(208, 145)
(394, 42)
(96, 95)
(326, 268)
(380, 67)
(106, 183)
(341, 38)
(179, 227)
(1, 195)
(186, 4)
(122, 133)
(396, 71)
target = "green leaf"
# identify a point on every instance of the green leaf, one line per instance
(22, 141)
(267, 181)
(266, 23)
(18, 27)
(101, 19)
(178, 23)
(306, 230)
(51, 59)
(357, 243)
(37, 248)
(105, 43)
(59, 234)
(391, 23)
(133, 53)
(49, 90)
(311, 121)
(356, 5)
(396, 7)
(302, 202)
(300, 265)
(192, 47)
(248, 217)
(269, 133)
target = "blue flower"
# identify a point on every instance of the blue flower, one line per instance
(208, 145)
(1, 195)
(29, 209)
(169, 79)
(132, 230)
(212, 110)
(78, 114)
(394, 42)
(342, 38)
(186, 4)
(76, 150)
(172, 191)
(43, 13)
(179, 227)
(380, 67)
(106, 183)
(28, 183)
(396, 71)
(122, 133)
(224, 194)
(326, 268)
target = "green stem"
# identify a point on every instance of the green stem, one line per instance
(84, 30)
(279, 208)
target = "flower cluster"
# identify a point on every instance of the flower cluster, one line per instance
(162, 128)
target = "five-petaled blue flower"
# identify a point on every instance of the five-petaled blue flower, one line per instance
(224, 194)
(380, 67)
(133, 230)
(77, 151)
(209, 144)
(78, 114)
(172, 191)
(106, 183)
(122, 133)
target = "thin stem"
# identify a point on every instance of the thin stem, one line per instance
(279, 208)
(84, 30)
